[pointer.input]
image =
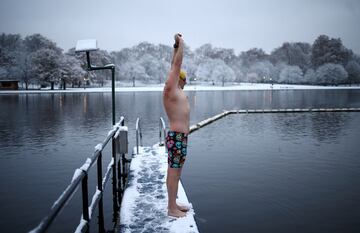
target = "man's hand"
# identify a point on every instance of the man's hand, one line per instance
(177, 38)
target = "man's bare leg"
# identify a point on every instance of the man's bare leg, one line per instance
(172, 182)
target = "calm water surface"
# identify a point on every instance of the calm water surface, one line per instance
(271, 171)
(276, 173)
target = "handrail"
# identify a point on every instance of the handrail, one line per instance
(80, 176)
(162, 127)
(138, 134)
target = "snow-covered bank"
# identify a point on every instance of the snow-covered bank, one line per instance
(242, 86)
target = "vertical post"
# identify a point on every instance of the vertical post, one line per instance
(88, 60)
(101, 216)
(137, 142)
(137, 134)
(99, 172)
(99, 184)
(160, 127)
(119, 173)
(123, 166)
(114, 182)
(85, 198)
(113, 93)
(123, 159)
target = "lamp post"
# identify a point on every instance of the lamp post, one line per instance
(91, 45)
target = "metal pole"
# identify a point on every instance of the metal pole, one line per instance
(114, 182)
(101, 216)
(160, 128)
(99, 184)
(112, 67)
(137, 126)
(120, 174)
(123, 159)
(113, 93)
(85, 198)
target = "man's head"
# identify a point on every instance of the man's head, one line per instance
(182, 79)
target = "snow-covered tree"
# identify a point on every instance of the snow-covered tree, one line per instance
(252, 56)
(47, 66)
(215, 70)
(207, 51)
(71, 70)
(6, 62)
(202, 53)
(10, 46)
(36, 42)
(252, 77)
(132, 70)
(332, 74)
(293, 54)
(145, 62)
(291, 75)
(204, 70)
(222, 72)
(353, 69)
(264, 71)
(326, 50)
(310, 77)
(189, 66)
(152, 68)
(240, 71)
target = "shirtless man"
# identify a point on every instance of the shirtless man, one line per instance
(178, 111)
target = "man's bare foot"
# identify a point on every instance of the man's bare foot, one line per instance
(183, 208)
(176, 213)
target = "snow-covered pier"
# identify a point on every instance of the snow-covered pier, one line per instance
(144, 204)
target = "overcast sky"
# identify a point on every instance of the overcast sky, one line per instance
(236, 24)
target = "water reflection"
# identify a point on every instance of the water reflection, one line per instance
(85, 103)
(327, 127)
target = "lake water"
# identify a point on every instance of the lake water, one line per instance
(250, 173)
(276, 173)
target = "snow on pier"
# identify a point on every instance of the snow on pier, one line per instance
(144, 204)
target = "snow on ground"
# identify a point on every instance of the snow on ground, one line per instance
(144, 205)
(159, 87)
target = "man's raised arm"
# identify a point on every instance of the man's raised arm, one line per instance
(176, 62)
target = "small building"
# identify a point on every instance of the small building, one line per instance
(9, 85)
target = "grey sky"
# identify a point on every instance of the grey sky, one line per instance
(236, 24)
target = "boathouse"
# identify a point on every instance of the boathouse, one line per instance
(9, 85)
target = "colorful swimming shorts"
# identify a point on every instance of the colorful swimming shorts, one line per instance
(176, 144)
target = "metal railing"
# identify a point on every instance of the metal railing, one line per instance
(115, 167)
(162, 131)
(162, 128)
(138, 134)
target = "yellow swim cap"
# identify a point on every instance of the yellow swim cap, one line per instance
(182, 75)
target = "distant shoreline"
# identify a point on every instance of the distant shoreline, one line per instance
(157, 88)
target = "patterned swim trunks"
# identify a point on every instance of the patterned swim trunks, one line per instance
(176, 144)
